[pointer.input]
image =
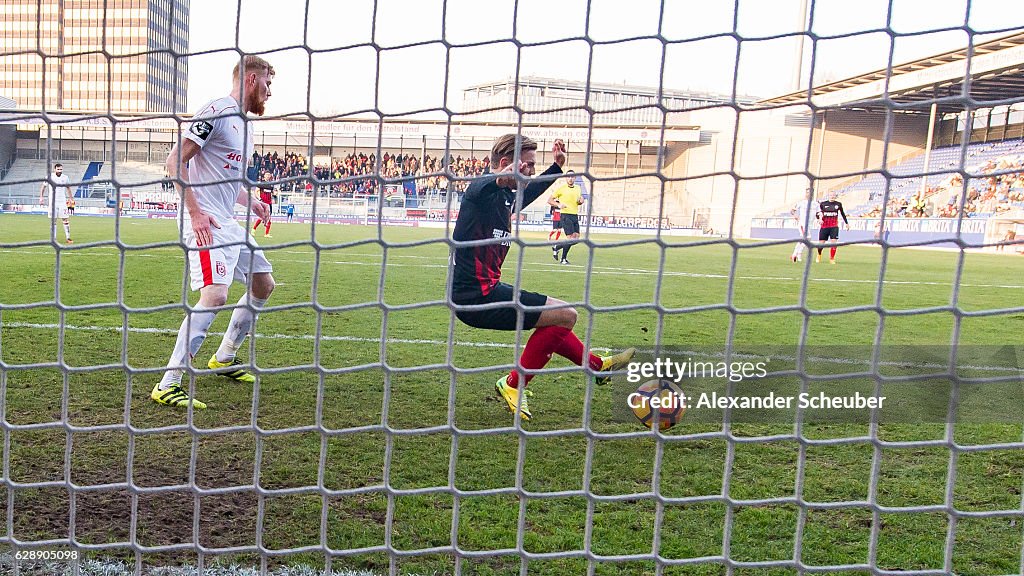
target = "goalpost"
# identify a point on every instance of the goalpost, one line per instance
(370, 441)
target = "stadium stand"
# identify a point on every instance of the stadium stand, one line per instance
(141, 179)
(616, 188)
(987, 195)
(629, 197)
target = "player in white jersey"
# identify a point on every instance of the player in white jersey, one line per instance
(56, 195)
(800, 213)
(208, 168)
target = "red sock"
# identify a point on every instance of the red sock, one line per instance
(537, 353)
(832, 253)
(571, 348)
(547, 341)
(267, 229)
(258, 222)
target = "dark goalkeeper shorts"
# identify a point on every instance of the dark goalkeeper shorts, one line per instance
(503, 317)
(829, 233)
(570, 223)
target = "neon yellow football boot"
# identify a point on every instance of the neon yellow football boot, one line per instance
(613, 363)
(174, 395)
(227, 370)
(511, 397)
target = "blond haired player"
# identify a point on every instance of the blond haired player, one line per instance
(483, 300)
(208, 168)
(56, 195)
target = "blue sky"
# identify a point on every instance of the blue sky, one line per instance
(702, 48)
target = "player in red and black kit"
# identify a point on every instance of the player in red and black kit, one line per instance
(556, 230)
(267, 197)
(829, 212)
(486, 214)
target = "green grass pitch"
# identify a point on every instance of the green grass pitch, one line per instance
(337, 291)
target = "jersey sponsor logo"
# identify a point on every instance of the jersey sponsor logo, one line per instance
(499, 233)
(201, 129)
(222, 270)
(232, 157)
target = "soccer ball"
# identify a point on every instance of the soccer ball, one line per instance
(666, 399)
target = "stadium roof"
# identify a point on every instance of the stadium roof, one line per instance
(361, 127)
(575, 85)
(996, 78)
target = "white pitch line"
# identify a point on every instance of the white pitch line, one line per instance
(422, 341)
(575, 269)
(119, 329)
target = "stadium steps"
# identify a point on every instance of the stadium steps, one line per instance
(26, 176)
(636, 196)
(133, 174)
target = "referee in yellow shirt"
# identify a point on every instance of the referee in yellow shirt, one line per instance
(568, 199)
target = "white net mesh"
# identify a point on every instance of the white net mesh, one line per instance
(370, 441)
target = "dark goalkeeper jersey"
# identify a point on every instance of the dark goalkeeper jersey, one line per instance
(486, 212)
(830, 211)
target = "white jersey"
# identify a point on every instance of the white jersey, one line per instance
(226, 139)
(57, 196)
(57, 186)
(801, 213)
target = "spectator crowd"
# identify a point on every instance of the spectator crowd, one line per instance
(353, 175)
(997, 188)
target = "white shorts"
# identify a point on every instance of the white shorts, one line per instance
(224, 262)
(60, 211)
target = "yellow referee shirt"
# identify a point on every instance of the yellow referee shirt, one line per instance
(569, 196)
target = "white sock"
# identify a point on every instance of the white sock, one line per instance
(67, 230)
(242, 320)
(190, 338)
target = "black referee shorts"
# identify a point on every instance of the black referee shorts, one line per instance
(504, 317)
(570, 223)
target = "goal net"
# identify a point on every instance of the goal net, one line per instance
(860, 416)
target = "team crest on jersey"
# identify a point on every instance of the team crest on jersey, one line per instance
(201, 129)
(222, 270)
